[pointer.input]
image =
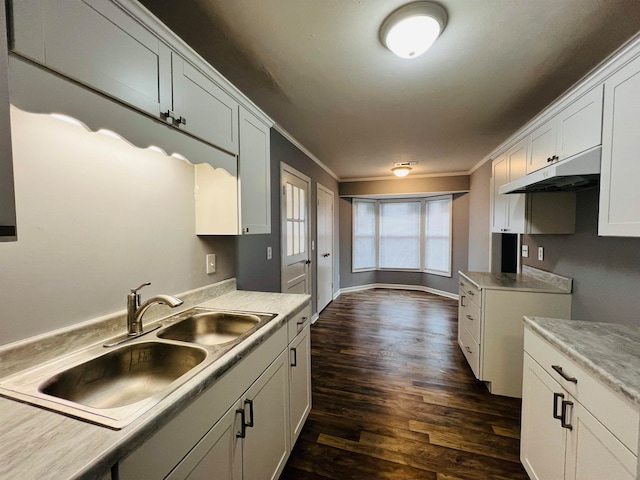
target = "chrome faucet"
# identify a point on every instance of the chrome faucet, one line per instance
(135, 311)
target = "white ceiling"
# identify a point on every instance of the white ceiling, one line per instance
(318, 69)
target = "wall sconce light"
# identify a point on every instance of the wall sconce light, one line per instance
(412, 29)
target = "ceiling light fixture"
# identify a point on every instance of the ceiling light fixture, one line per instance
(401, 169)
(411, 30)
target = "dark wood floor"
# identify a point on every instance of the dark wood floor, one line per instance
(393, 397)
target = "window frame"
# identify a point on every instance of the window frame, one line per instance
(423, 233)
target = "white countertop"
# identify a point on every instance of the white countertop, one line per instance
(39, 444)
(531, 280)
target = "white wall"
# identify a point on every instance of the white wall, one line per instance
(96, 217)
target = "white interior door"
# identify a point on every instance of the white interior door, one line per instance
(295, 231)
(325, 247)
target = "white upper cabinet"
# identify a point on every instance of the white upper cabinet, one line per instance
(542, 146)
(99, 44)
(202, 108)
(619, 192)
(7, 201)
(255, 174)
(575, 129)
(95, 43)
(580, 124)
(508, 211)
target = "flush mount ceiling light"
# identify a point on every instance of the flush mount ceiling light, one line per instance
(402, 169)
(411, 30)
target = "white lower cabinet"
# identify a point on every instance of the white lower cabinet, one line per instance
(242, 426)
(562, 436)
(220, 451)
(266, 411)
(490, 330)
(300, 381)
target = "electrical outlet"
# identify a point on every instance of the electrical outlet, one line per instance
(525, 251)
(211, 263)
(541, 253)
(269, 253)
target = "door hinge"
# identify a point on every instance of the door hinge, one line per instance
(284, 189)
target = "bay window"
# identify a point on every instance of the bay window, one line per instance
(407, 234)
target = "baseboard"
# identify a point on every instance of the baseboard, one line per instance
(314, 318)
(396, 286)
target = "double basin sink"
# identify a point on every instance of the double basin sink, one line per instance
(113, 387)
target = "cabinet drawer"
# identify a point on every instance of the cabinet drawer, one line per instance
(470, 291)
(469, 317)
(297, 323)
(615, 413)
(471, 351)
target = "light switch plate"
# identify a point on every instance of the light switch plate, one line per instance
(269, 253)
(525, 251)
(211, 263)
(541, 253)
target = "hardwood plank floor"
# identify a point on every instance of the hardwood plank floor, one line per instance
(393, 397)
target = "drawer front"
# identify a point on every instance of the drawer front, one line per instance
(469, 317)
(297, 323)
(470, 291)
(613, 411)
(471, 350)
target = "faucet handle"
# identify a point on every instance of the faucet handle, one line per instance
(135, 290)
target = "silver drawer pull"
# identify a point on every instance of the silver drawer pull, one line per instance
(468, 349)
(558, 369)
(470, 292)
(470, 317)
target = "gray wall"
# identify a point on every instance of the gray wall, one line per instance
(480, 219)
(447, 284)
(97, 217)
(605, 270)
(254, 271)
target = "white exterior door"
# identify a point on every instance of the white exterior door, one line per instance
(295, 231)
(325, 247)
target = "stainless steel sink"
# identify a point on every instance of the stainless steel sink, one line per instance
(211, 328)
(124, 376)
(114, 386)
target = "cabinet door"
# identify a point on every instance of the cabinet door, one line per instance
(517, 164)
(300, 381)
(619, 192)
(97, 44)
(7, 201)
(500, 203)
(218, 455)
(255, 174)
(202, 108)
(543, 440)
(593, 452)
(542, 145)
(266, 446)
(580, 124)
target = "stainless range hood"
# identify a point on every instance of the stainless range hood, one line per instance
(574, 173)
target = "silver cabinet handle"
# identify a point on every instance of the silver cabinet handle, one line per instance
(468, 349)
(470, 317)
(563, 417)
(462, 297)
(470, 292)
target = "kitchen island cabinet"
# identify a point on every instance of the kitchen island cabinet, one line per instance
(490, 330)
(580, 417)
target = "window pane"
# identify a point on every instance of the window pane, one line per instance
(289, 238)
(399, 235)
(302, 204)
(296, 238)
(302, 237)
(437, 235)
(364, 231)
(296, 203)
(289, 200)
